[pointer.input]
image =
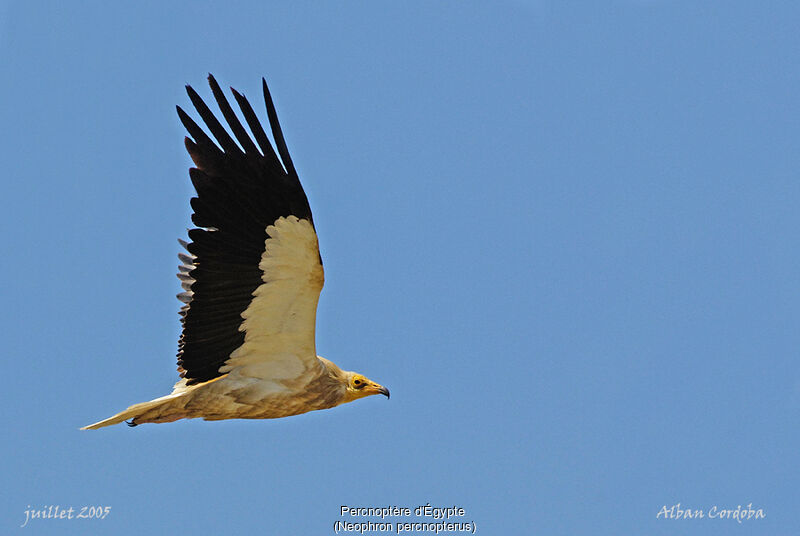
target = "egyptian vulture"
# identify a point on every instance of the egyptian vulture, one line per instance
(251, 281)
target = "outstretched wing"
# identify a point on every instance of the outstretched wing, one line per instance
(253, 274)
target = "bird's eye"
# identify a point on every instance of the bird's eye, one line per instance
(357, 383)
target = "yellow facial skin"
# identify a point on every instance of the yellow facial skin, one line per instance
(359, 386)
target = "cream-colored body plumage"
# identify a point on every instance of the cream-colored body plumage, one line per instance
(252, 281)
(237, 397)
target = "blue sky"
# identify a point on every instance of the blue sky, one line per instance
(564, 234)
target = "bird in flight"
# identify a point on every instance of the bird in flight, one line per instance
(251, 277)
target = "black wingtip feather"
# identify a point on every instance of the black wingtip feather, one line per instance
(227, 112)
(216, 128)
(195, 131)
(257, 130)
(277, 133)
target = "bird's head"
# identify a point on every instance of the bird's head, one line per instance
(359, 386)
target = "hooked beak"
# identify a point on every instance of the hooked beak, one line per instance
(377, 389)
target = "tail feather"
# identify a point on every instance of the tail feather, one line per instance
(158, 410)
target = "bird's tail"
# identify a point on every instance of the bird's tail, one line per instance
(162, 409)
